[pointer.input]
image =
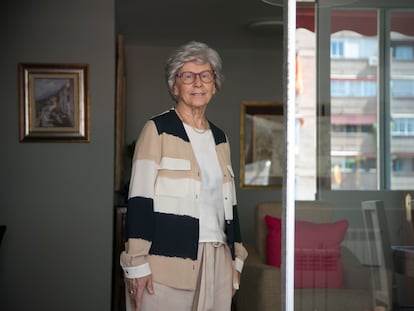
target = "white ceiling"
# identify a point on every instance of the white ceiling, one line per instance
(219, 23)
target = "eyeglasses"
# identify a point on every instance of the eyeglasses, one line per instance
(188, 77)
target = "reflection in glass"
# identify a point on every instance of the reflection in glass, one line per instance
(401, 99)
(262, 144)
(354, 98)
(305, 161)
(366, 143)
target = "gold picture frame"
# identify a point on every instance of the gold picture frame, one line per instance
(54, 102)
(261, 145)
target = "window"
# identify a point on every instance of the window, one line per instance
(353, 88)
(337, 49)
(351, 128)
(403, 52)
(403, 167)
(361, 152)
(402, 88)
(402, 127)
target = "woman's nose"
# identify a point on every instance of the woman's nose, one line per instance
(197, 81)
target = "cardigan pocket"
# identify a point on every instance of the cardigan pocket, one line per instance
(172, 179)
(174, 188)
(168, 163)
(229, 194)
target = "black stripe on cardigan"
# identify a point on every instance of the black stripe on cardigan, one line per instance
(175, 236)
(139, 220)
(171, 235)
(170, 123)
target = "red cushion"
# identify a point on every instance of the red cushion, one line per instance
(273, 241)
(317, 251)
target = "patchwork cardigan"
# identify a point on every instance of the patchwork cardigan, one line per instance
(162, 221)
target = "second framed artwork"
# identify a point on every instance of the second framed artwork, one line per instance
(54, 102)
(261, 145)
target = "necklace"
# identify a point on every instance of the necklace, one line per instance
(196, 130)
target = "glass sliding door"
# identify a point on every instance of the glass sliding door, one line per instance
(365, 104)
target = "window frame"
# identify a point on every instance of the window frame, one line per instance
(383, 92)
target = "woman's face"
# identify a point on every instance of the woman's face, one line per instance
(198, 93)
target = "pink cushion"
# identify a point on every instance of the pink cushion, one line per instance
(273, 241)
(317, 251)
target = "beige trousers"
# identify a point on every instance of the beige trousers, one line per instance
(214, 286)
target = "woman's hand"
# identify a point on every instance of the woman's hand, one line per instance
(136, 288)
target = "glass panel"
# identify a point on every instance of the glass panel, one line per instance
(320, 271)
(354, 87)
(305, 162)
(402, 100)
(354, 97)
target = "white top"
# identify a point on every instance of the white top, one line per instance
(211, 196)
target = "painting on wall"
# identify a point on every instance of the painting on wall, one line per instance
(261, 145)
(54, 102)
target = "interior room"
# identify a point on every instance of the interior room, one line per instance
(63, 196)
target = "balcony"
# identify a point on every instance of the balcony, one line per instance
(352, 144)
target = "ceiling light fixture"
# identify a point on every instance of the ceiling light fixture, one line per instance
(265, 24)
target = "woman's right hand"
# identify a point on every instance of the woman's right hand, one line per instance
(136, 288)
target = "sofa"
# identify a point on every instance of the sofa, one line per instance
(260, 288)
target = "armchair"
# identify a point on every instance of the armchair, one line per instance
(261, 283)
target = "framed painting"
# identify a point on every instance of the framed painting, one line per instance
(54, 102)
(261, 145)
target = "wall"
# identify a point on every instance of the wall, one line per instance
(57, 198)
(249, 75)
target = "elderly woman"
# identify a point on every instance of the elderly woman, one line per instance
(183, 249)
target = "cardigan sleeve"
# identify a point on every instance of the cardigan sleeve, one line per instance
(139, 222)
